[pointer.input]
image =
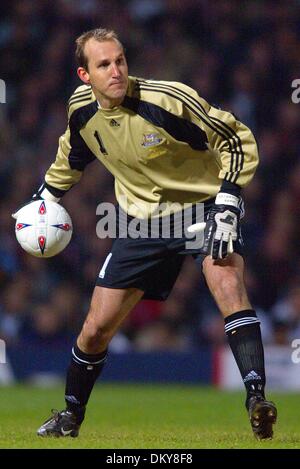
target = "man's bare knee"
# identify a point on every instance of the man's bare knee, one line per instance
(108, 309)
(226, 283)
(95, 336)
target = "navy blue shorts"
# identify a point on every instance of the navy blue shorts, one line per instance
(151, 264)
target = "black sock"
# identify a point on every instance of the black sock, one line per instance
(244, 337)
(82, 373)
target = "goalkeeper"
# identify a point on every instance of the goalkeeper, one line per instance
(163, 143)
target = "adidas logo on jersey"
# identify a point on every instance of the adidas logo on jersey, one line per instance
(114, 123)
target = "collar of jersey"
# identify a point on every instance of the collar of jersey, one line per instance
(108, 113)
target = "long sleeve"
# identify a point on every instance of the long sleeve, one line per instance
(230, 140)
(60, 177)
(72, 157)
(235, 144)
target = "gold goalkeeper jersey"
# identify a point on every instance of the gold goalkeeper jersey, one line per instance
(164, 144)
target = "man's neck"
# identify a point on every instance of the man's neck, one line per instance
(105, 103)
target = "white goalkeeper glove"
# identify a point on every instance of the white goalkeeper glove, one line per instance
(222, 228)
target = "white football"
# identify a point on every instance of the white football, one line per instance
(43, 228)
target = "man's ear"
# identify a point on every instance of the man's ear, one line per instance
(83, 75)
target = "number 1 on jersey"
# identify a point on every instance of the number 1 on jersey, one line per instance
(100, 141)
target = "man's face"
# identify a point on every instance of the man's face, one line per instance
(107, 71)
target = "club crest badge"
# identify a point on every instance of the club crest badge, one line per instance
(151, 140)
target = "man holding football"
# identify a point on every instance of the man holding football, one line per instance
(163, 143)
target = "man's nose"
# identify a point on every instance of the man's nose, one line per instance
(115, 70)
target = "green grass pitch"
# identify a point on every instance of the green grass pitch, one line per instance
(146, 416)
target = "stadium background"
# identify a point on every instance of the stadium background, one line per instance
(241, 56)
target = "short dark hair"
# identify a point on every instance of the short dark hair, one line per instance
(99, 34)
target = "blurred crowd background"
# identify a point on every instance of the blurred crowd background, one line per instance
(239, 55)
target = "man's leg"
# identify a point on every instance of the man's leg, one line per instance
(225, 279)
(108, 309)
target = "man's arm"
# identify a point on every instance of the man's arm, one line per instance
(238, 155)
(73, 154)
(63, 174)
(72, 157)
(235, 150)
(60, 177)
(235, 147)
